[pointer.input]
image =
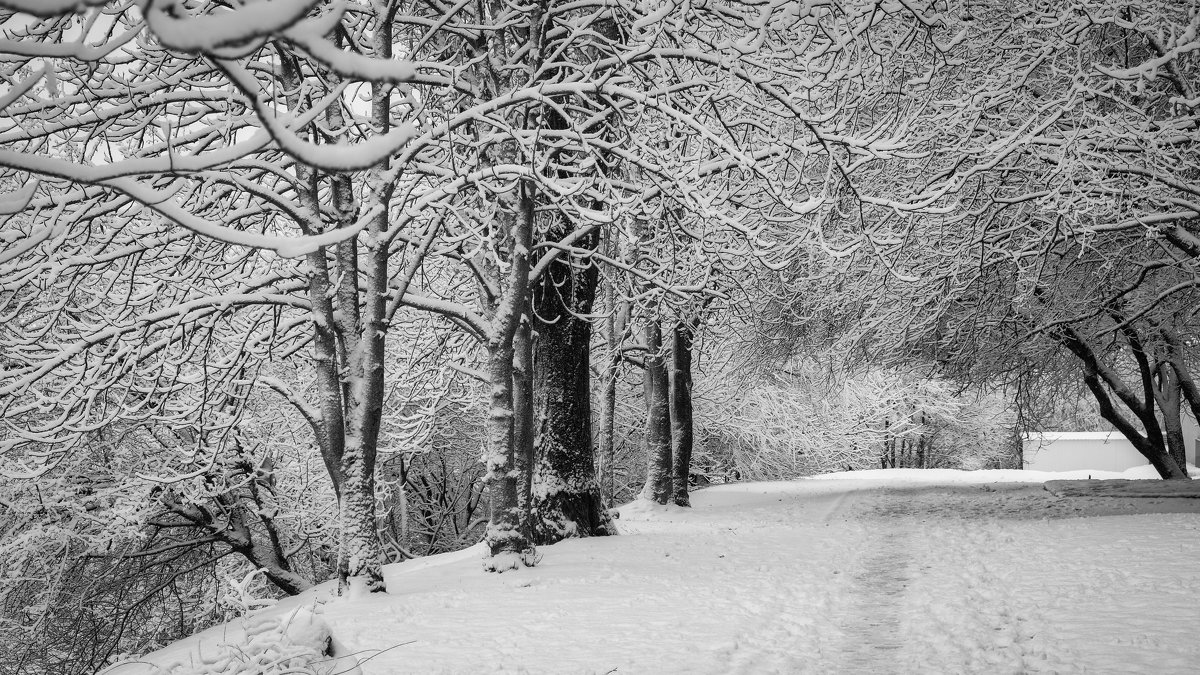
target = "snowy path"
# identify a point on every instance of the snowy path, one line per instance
(838, 576)
(872, 620)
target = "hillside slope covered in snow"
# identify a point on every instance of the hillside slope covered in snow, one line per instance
(897, 572)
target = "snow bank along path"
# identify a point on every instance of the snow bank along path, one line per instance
(889, 574)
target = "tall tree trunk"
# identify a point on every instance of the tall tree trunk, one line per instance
(680, 379)
(349, 339)
(508, 545)
(523, 418)
(614, 333)
(363, 329)
(658, 418)
(566, 496)
(606, 452)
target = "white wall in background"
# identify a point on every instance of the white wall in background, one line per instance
(1099, 450)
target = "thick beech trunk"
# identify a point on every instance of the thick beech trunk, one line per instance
(680, 379)
(658, 418)
(362, 569)
(566, 495)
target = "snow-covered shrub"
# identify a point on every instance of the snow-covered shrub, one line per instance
(93, 565)
(293, 643)
(802, 425)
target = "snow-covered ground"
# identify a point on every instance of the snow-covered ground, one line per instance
(880, 572)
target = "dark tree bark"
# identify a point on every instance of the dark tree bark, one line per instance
(887, 444)
(1168, 395)
(228, 524)
(566, 496)
(658, 418)
(1100, 380)
(680, 381)
(1187, 386)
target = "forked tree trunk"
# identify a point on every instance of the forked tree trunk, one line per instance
(566, 496)
(1168, 394)
(1100, 380)
(680, 379)
(349, 332)
(658, 418)
(1154, 452)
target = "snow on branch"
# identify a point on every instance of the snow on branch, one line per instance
(339, 157)
(310, 37)
(246, 26)
(50, 8)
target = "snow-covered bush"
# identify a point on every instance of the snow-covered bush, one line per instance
(292, 643)
(805, 424)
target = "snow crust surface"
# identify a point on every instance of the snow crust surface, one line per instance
(881, 572)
